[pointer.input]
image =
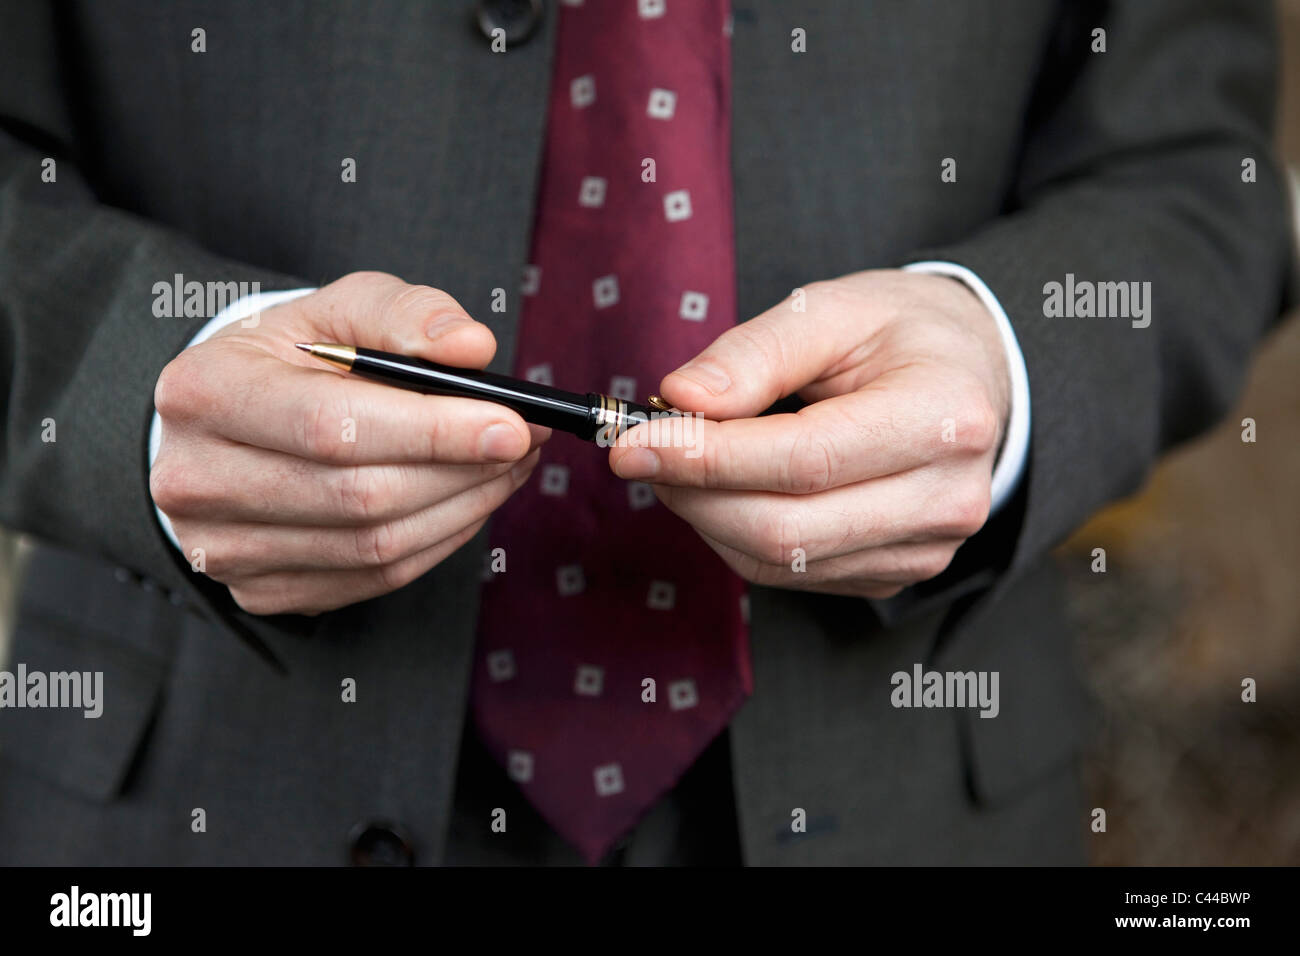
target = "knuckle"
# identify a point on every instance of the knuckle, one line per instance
(171, 487)
(399, 575)
(377, 545)
(361, 496)
(436, 437)
(776, 536)
(388, 578)
(713, 461)
(419, 301)
(977, 423)
(831, 294)
(980, 425)
(178, 393)
(763, 339)
(188, 544)
(322, 432)
(811, 464)
(259, 601)
(968, 512)
(932, 565)
(222, 558)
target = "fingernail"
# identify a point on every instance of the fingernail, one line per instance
(638, 463)
(711, 376)
(500, 442)
(442, 324)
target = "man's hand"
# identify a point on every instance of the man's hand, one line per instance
(303, 490)
(881, 478)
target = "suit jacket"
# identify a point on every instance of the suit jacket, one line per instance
(1119, 165)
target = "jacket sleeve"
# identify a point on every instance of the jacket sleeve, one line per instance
(1152, 163)
(80, 345)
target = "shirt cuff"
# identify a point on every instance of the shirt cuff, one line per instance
(1010, 466)
(239, 309)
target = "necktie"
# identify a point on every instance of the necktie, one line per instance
(613, 648)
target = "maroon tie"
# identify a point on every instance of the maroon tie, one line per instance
(604, 590)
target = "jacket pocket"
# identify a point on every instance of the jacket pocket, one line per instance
(1043, 711)
(119, 679)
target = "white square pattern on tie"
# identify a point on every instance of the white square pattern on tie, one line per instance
(682, 695)
(624, 387)
(695, 306)
(604, 291)
(639, 495)
(592, 193)
(541, 374)
(582, 91)
(501, 665)
(662, 596)
(609, 779)
(677, 205)
(589, 681)
(569, 580)
(555, 480)
(662, 105)
(532, 280)
(519, 766)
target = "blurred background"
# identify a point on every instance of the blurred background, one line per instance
(1202, 589)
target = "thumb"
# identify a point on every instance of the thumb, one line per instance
(380, 311)
(761, 361)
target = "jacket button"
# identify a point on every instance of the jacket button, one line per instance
(380, 843)
(516, 18)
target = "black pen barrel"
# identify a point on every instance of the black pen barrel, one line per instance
(595, 417)
(536, 403)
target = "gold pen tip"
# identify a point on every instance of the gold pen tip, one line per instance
(340, 356)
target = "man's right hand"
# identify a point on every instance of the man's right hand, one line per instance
(306, 489)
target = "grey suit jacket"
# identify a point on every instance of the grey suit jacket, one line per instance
(1115, 166)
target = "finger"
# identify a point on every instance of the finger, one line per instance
(899, 422)
(314, 592)
(924, 505)
(241, 550)
(774, 354)
(380, 311)
(877, 573)
(324, 416)
(221, 481)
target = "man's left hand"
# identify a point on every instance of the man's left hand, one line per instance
(881, 477)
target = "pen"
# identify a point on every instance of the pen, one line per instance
(593, 417)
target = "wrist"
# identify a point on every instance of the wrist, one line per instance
(1013, 453)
